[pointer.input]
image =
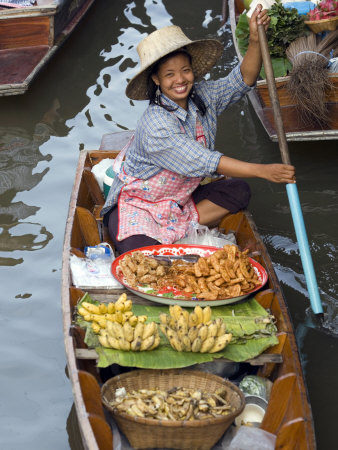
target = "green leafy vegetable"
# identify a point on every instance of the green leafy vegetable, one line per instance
(286, 25)
(242, 33)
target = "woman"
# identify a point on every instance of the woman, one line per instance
(158, 192)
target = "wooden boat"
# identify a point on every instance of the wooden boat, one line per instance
(295, 130)
(288, 415)
(29, 37)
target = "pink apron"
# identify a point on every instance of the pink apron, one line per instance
(160, 207)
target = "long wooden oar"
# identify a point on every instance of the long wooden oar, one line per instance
(291, 188)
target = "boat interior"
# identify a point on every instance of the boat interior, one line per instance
(288, 415)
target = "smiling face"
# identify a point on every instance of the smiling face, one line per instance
(175, 78)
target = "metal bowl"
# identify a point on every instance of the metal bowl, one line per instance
(253, 412)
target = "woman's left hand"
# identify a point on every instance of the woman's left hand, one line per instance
(259, 17)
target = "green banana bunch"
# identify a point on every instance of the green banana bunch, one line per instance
(195, 331)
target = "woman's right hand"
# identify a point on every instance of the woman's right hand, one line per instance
(279, 173)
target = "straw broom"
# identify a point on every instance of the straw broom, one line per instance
(309, 83)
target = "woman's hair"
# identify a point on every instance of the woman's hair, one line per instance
(152, 86)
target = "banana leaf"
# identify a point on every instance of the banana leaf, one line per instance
(253, 332)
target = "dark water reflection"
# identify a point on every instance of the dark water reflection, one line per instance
(78, 98)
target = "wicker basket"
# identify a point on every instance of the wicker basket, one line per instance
(317, 26)
(152, 433)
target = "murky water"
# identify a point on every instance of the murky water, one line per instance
(78, 98)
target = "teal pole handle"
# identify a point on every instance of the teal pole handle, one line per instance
(303, 244)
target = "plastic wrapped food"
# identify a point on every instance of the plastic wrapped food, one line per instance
(254, 385)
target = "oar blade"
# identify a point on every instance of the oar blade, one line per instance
(304, 250)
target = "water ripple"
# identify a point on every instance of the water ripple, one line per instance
(324, 256)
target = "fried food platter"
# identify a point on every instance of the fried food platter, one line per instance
(221, 276)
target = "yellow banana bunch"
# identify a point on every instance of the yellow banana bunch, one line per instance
(194, 332)
(103, 313)
(199, 315)
(142, 337)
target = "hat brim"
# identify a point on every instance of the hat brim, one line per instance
(204, 55)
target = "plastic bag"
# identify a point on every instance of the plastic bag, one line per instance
(254, 385)
(333, 65)
(303, 7)
(100, 251)
(99, 170)
(202, 235)
(94, 271)
(252, 438)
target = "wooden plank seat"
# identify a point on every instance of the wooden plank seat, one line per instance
(17, 63)
(91, 197)
(90, 194)
(283, 416)
(91, 394)
(278, 404)
(86, 231)
(290, 433)
(90, 354)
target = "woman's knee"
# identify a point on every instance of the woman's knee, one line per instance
(233, 194)
(243, 193)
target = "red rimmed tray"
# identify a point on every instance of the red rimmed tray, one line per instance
(170, 295)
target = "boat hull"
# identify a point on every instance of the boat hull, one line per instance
(30, 36)
(294, 127)
(289, 413)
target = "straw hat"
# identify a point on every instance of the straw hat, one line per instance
(204, 53)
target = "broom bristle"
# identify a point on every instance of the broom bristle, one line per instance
(308, 85)
(309, 82)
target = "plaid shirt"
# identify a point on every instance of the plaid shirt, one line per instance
(167, 140)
